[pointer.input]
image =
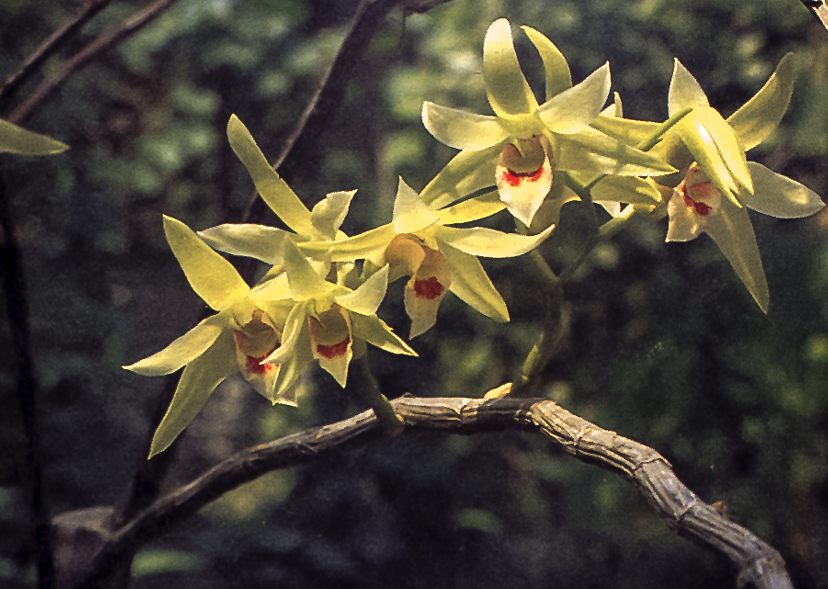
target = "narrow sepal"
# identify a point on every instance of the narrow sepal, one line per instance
(473, 209)
(199, 380)
(592, 151)
(366, 299)
(212, 277)
(558, 76)
(574, 109)
(684, 90)
(14, 139)
(246, 239)
(506, 86)
(373, 330)
(779, 196)
(466, 173)
(305, 283)
(185, 349)
(329, 213)
(489, 243)
(411, 214)
(275, 191)
(471, 284)
(460, 129)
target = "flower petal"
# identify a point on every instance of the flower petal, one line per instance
(305, 282)
(760, 115)
(293, 356)
(628, 131)
(574, 109)
(460, 129)
(489, 243)
(329, 213)
(523, 182)
(684, 90)
(246, 239)
(185, 349)
(733, 233)
(779, 196)
(592, 151)
(471, 284)
(212, 277)
(466, 173)
(366, 299)
(256, 340)
(473, 209)
(199, 380)
(14, 139)
(275, 191)
(628, 189)
(368, 245)
(373, 330)
(558, 77)
(506, 86)
(332, 342)
(685, 224)
(411, 214)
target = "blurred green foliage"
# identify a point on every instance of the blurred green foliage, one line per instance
(665, 345)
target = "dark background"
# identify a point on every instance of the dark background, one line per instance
(666, 345)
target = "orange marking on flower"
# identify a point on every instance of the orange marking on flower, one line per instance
(700, 208)
(254, 365)
(334, 350)
(514, 179)
(428, 289)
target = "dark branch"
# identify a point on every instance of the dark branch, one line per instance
(49, 47)
(757, 562)
(80, 60)
(819, 10)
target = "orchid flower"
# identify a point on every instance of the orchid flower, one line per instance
(524, 144)
(245, 331)
(325, 320)
(14, 139)
(265, 243)
(419, 243)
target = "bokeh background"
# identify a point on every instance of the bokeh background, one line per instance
(665, 346)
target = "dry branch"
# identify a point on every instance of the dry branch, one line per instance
(757, 562)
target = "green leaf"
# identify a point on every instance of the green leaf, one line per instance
(246, 239)
(489, 243)
(558, 76)
(733, 233)
(14, 139)
(466, 173)
(212, 277)
(275, 191)
(460, 129)
(200, 379)
(779, 196)
(373, 330)
(506, 86)
(471, 284)
(684, 91)
(185, 349)
(574, 109)
(760, 115)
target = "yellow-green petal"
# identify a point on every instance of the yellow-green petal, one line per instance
(779, 196)
(366, 299)
(628, 131)
(373, 330)
(305, 282)
(684, 90)
(460, 129)
(592, 151)
(574, 109)
(185, 349)
(760, 115)
(200, 379)
(627, 189)
(733, 233)
(466, 173)
(14, 139)
(212, 277)
(411, 214)
(489, 243)
(558, 76)
(472, 285)
(275, 191)
(247, 239)
(329, 213)
(473, 209)
(293, 356)
(506, 86)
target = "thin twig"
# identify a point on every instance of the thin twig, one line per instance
(49, 47)
(757, 562)
(818, 9)
(80, 60)
(17, 309)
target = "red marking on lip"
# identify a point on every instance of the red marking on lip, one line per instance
(700, 208)
(254, 365)
(514, 179)
(428, 289)
(334, 350)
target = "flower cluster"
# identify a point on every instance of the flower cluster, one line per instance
(319, 299)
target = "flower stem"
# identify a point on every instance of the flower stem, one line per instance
(391, 423)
